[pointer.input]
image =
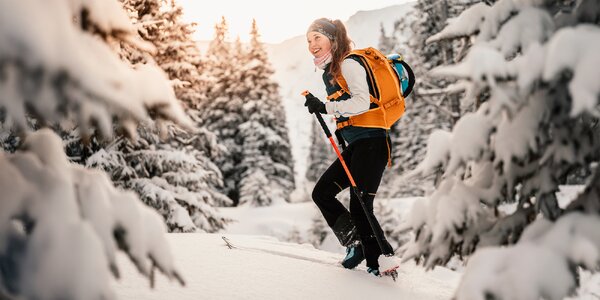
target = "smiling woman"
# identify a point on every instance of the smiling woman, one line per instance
(278, 20)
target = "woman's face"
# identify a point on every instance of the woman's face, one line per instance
(318, 44)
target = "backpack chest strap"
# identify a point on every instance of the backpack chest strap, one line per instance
(341, 82)
(336, 95)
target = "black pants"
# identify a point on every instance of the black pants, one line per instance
(366, 159)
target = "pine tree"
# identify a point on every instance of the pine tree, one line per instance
(425, 111)
(389, 220)
(266, 149)
(172, 170)
(222, 111)
(320, 155)
(61, 225)
(534, 123)
(318, 231)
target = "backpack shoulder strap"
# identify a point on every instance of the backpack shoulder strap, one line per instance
(411, 78)
(360, 56)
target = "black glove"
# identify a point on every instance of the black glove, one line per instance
(314, 104)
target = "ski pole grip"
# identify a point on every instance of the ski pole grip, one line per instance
(306, 94)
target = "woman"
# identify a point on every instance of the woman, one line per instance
(367, 152)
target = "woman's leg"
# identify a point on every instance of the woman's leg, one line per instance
(333, 181)
(368, 162)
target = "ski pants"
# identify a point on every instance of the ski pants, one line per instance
(366, 159)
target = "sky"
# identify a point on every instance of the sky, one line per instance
(277, 20)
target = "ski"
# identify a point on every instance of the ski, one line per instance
(231, 245)
(390, 272)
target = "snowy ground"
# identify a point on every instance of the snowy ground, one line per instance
(268, 269)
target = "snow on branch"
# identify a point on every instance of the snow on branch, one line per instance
(576, 49)
(536, 125)
(450, 151)
(485, 22)
(466, 24)
(438, 154)
(517, 137)
(482, 64)
(531, 25)
(470, 138)
(73, 70)
(540, 266)
(69, 222)
(61, 225)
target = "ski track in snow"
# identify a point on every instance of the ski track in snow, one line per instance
(213, 271)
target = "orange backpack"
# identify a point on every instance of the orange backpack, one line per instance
(387, 82)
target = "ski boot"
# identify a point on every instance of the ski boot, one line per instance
(374, 271)
(354, 256)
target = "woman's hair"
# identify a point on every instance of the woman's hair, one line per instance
(340, 42)
(340, 46)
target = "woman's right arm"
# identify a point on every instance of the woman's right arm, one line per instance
(359, 102)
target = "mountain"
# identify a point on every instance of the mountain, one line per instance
(364, 26)
(295, 72)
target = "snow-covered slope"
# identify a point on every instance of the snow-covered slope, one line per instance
(364, 26)
(295, 72)
(264, 268)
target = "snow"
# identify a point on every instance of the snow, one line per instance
(530, 26)
(270, 220)
(575, 49)
(516, 137)
(482, 64)
(466, 24)
(69, 252)
(265, 268)
(90, 72)
(529, 67)
(438, 153)
(107, 15)
(513, 271)
(470, 138)
(494, 18)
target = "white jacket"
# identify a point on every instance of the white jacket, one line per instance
(358, 87)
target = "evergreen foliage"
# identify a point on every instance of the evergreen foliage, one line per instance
(533, 122)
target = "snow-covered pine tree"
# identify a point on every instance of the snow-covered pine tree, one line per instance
(171, 170)
(389, 219)
(160, 22)
(172, 180)
(531, 73)
(61, 225)
(221, 112)
(267, 164)
(318, 231)
(426, 109)
(320, 155)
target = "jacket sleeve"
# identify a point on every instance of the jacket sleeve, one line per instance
(359, 101)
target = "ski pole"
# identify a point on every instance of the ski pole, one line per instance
(352, 183)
